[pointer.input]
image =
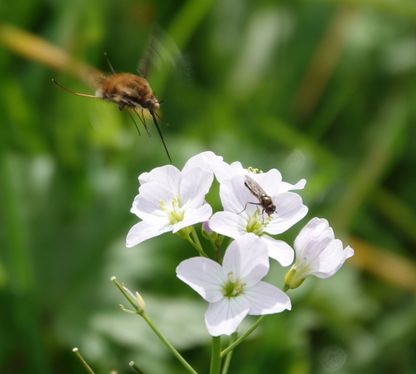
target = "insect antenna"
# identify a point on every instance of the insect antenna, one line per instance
(152, 113)
(73, 92)
(109, 63)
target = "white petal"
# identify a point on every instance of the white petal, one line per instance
(194, 186)
(193, 216)
(289, 209)
(204, 276)
(224, 316)
(229, 224)
(226, 171)
(330, 260)
(313, 238)
(147, 210)
(235, 195)
(284, 186)
(167, 175)
(145, 230)
(269, 181)
(266, 299)
(151, 195)
(247, 259)
(279, 250)
(206, 160)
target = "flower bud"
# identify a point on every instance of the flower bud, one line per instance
(136, 299)
(207, 233)
(292, 279)
(185, 232)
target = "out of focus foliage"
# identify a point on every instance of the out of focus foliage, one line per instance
(324, 90)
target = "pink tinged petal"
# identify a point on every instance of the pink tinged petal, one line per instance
(145, 230)
(266, 299)
(194, 186)
(193, 216)
(247, 259)
(204, 276)
(168, 175)
(235, 195)
(279, 250)
(289, 209)
(229, 224)
(224, 316)
(330, 260)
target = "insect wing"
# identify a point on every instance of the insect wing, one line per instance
(254, 187)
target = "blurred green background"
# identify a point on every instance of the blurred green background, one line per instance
(322, 90)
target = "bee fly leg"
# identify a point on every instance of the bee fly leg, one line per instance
(142, 119)
(144, 122)
(135, 124)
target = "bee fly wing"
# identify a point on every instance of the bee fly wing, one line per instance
(150, 55)
(163, 55)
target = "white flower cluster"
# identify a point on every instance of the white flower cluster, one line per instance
(174, 200)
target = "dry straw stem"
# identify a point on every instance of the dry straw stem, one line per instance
(323, 62)
(37, 49)
(384, 264)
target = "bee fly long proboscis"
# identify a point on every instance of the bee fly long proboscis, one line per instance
(128, 91)
(265, 201)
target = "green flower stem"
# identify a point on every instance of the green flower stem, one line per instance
(227, 362)
(194, 240)
(163, 339)
(216, 250)
(135, 367)
(199, 249)
(215, 355)
(247, 333)
(166, 342)
(228, 357)
(84, 363)
(242, 337)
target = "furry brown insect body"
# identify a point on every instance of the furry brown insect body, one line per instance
(128, 90)
(265, 201)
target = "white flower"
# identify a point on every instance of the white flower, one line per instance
(318, 253)
(234, 289)
(170, 200)
(242, 213)
(205, 160)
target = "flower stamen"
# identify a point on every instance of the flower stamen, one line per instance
(257, 223)
(233, 288)
(175, 212)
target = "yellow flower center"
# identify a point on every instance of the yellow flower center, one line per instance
(175, 211)
(232, 288)
(257, 222)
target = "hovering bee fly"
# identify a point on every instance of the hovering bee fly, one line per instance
(129, 91)
(265, 201)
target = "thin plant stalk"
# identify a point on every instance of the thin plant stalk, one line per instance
(215, 355)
